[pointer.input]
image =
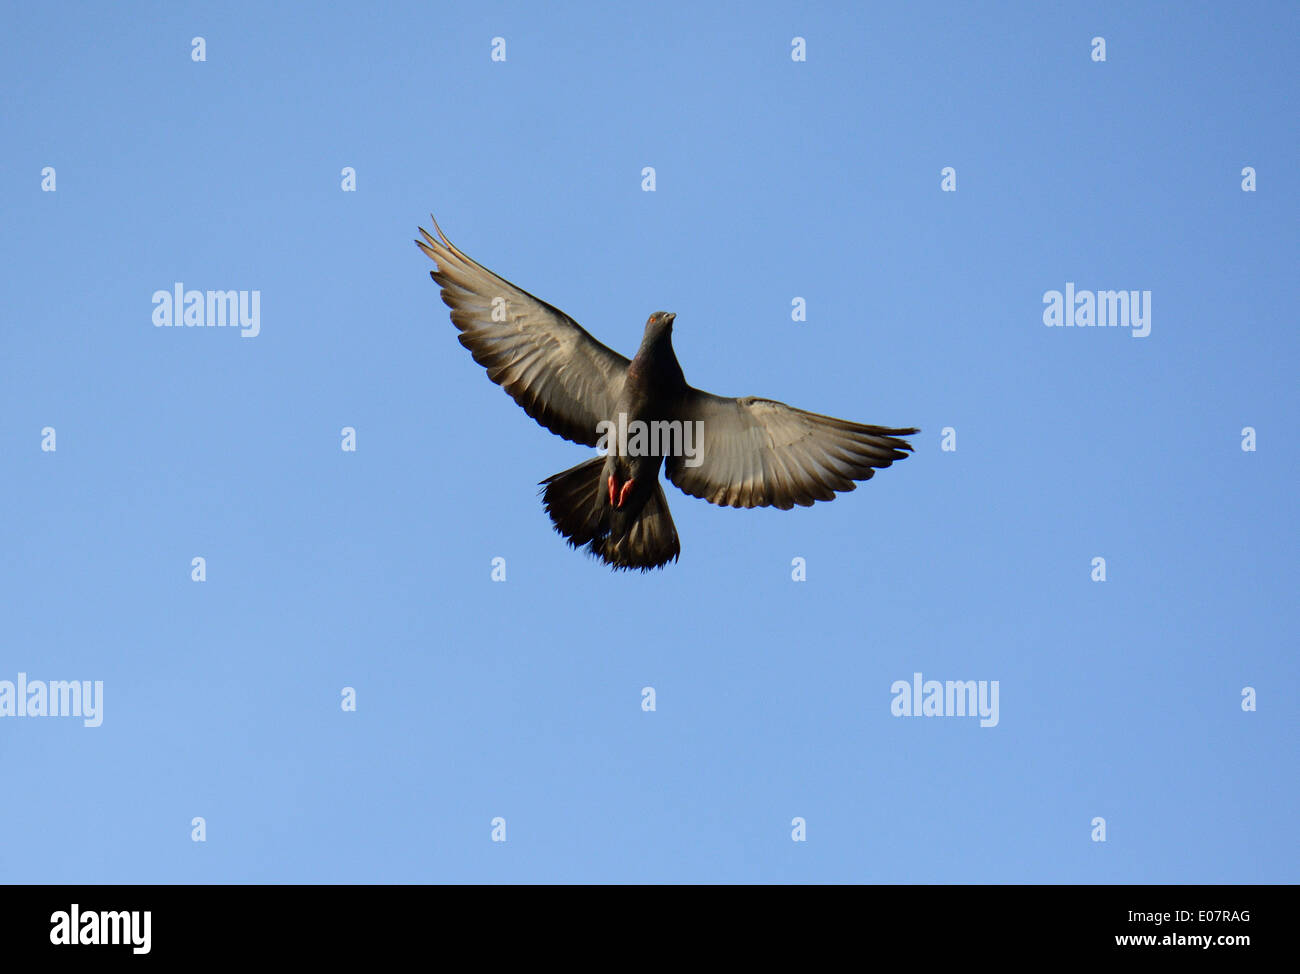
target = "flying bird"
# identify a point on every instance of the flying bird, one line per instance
(642, 414)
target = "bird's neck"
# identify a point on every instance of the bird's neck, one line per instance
(656, 362)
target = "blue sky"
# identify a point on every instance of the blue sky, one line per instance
(775, 179)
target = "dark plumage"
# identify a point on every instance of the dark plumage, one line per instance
(751, 452)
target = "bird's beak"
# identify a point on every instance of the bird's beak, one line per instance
(671, 316)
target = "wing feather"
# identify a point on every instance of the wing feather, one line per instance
(763, 453)
(548, 363)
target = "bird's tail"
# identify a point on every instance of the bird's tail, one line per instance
(575, 502)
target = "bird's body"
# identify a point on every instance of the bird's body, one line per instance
(653, 384)
(747, 452)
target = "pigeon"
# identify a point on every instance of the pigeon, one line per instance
(641, 415)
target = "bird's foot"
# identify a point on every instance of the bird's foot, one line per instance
(617, 496)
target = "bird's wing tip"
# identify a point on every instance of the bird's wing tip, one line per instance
(442, 235)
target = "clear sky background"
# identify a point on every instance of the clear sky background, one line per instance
(522, 699)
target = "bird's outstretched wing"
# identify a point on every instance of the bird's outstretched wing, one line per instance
(763, 453)
(554, 369)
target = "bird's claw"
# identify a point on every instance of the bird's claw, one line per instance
(617, 496)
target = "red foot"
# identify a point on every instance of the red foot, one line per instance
(616, 496)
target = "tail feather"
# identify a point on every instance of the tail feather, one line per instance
(572, 499)
(575, 502)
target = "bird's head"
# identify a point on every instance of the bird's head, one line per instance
(659, 323)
